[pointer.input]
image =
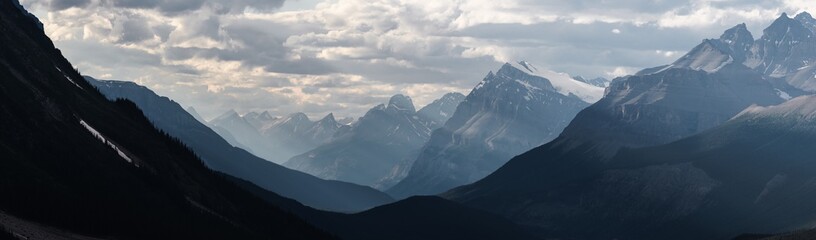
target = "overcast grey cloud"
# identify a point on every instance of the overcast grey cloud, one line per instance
(345, 56)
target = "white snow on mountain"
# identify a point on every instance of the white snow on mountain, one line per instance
(563, 83)
(104, 140)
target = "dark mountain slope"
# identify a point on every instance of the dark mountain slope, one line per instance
(425, 218)
(589, 183)
(5, 235)
(136, 184)
(169, 116)
(752, 174)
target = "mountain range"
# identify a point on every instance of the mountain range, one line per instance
(716, 145)
(275, 138)
(75, 161)
(378, 149)
(691, 150)
(218, 155)
(512, 111)
(77, 165)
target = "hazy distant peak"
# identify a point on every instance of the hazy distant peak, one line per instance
(228, 114)
(453, 96)
(298, 116)
(266, 115)
(401, 102)
(329, 118)
(192, 111)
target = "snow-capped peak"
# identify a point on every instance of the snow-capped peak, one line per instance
(563, 83)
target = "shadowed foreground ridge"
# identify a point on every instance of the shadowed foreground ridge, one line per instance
(76, 161)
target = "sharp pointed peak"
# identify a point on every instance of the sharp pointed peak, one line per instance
(328, 118)
(783, 19)
(783, 26)
(738, 33)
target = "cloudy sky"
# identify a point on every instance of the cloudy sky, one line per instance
(345, 56)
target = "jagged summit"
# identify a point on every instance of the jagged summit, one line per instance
(738, 33)
(785, 26)
(711, 55)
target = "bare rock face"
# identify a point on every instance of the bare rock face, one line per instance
(787, 50)
(508, 113)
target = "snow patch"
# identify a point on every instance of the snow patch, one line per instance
(69, 78)
(783, 94)
(563, 83)
(102, 138)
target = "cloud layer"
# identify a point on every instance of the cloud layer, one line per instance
(345, 56)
